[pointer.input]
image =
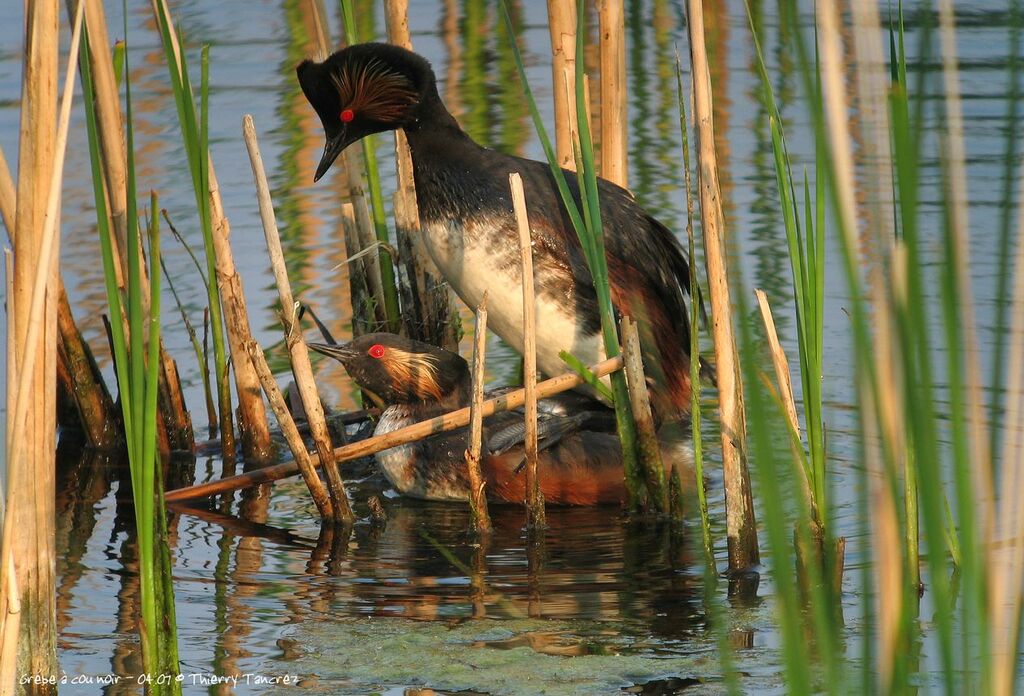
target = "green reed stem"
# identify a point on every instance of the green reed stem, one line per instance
(577, 366)
(137, 367)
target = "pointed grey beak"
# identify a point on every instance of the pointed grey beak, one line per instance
(332, 149)
(340, 352)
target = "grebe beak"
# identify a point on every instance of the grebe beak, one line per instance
(340, 352)
(335, 144)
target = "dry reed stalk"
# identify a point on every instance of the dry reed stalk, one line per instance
(12, 354)
(977, 426)
(640, 404)
(785, 391)
(740, 525)
(1007, 572)
(87, 389)
(10, 597)
(429, 308)
(29, 504)
(614, 104)
(402, 436)
(254, 429)
(535, 517)
(562, 23)
(886, 556)
(779, 362)
(887, 548)
(317, 490)
(480, 519)
(301, 367)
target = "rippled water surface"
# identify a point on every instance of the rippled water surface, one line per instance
(265, 595)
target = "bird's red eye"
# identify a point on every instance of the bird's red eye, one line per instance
(376, 351)
(347, 115)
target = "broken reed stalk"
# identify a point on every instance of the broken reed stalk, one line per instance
(804, 555)
(562, 24)
(780, 364)
(29, 506)
(614, 104)
(299, 354)
(402, 436)
(640, 403)
(428, 310)
(535, 517)
(95, 407)
(317, 490)
(740, 525)
(480, 518)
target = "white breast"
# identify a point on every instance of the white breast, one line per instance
(394, 462)
(475, 257)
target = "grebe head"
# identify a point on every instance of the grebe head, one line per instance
(366, 88)
(400, 370)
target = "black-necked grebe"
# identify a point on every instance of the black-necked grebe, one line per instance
(470, 233)
(580, 461)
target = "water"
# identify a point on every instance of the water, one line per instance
(261, 592)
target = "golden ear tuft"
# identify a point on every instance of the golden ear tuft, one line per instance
(416, 372)
(371, 90)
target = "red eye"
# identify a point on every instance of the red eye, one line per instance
(376, 351)
(347, 115)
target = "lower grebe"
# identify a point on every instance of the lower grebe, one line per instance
(469, 231)
(580, 459)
